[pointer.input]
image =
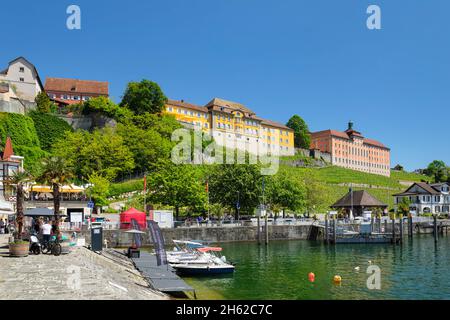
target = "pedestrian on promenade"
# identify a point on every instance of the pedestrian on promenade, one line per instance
(46, 231)
(2, 226)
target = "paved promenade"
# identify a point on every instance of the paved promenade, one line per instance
(80, 275)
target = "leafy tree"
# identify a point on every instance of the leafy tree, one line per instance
(144, 96)
(100, 109)
(99, 189)
(302, 139)
(146, 146)
(102, 151)
(438, 169)
(43, 102)
(56, 172)
(285, 193)
(18, 179)
(227, 183)
(177, 186)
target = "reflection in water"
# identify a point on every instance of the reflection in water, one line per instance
(416, 270)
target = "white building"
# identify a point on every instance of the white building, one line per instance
(427, 198)
(19, 85)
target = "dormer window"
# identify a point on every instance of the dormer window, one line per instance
(73, 88)
(444, 188)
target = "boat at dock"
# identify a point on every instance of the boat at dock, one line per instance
(195, 258)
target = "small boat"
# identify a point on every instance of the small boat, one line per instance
(206, 262)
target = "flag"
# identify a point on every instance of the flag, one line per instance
(158, 241)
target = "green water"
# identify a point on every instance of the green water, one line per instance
(416, 270)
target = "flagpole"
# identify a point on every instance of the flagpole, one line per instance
(145, 193)
(207, 191)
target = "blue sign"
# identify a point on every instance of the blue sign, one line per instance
(90, 204)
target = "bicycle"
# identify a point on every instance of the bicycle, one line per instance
(53, 246)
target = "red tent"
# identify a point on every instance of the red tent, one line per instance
(125, 219)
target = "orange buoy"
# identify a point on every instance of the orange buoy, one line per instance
(337, 279)
(311, 277)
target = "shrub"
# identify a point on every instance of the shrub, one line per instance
(49, 128)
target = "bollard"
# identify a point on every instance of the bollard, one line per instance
(327, 235)
(266, 231)
(334, 230)
(401, 228)
(393, 228)
(435, 227)
(259, 229)
(410, 226)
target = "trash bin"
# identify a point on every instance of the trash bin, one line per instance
(97, 239)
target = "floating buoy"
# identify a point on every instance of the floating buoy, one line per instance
(357, 268)
(337, 279)
(311, 277)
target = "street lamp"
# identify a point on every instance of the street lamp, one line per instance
(238, 206)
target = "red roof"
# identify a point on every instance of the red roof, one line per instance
(76, 86)
(344, 135)
(133, 211)
(8, 150)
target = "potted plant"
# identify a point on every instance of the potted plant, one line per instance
(19, 248)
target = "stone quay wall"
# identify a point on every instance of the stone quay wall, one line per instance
(117, 238)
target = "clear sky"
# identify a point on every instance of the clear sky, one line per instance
(314, 58)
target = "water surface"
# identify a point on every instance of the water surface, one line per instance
(416, 270)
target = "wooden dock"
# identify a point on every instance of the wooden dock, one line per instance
(162, 278)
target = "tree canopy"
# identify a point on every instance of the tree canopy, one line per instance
(230, 184)
(178, 186)
(438, 170)
(302, 139)
(144, 96)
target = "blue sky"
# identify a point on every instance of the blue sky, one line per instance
(314, 58)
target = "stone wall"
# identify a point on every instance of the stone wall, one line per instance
(117, 238)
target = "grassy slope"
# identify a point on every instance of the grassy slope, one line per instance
(379, 186)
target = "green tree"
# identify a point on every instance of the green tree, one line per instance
(98, 190)
(228, 183)
(438, 170)
(144, 96)
(285, 193)
(101, 109)
(102, 151)
(302, 138)
(177, 186)
(317, 194)
(56, 172)
(147, 146)
(43, 102)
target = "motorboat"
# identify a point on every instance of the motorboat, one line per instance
(206, 262)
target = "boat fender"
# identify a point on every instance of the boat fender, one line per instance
(337, 279)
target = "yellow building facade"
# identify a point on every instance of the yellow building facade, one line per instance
(234, 125)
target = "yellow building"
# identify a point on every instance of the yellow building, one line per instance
(234, 125)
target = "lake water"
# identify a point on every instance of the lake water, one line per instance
(416, 270)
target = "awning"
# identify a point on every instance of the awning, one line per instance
(39, 212)
(63, 189)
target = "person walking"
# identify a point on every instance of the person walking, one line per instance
(2, 226)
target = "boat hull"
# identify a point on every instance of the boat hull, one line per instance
(191, 270)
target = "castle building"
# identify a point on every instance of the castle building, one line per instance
(349, 149)
(234, 125)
